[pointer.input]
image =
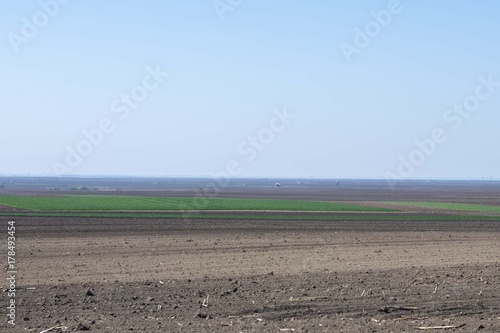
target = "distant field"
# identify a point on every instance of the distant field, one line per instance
(135, 203)
(249, 216)
(454, 206)
(175, 207)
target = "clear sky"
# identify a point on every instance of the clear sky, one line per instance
(255, 88)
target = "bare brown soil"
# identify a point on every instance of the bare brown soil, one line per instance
(166, 275)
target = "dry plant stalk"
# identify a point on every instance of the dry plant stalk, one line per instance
(439, 327)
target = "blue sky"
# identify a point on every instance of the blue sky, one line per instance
(232, 67)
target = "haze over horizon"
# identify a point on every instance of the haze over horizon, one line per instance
(371, 89)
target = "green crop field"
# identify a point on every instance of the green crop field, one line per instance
(134, 203)
(454, 206)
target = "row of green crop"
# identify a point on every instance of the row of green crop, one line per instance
(88, 203)
(135, 203)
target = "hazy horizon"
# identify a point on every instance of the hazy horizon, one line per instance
(187, 177)
(319, 90)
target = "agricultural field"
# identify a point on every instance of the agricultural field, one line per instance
(135, 203)
(307, 257)
(454, 206)
(125, 206)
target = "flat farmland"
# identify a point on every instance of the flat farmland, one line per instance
(65, 203)
(373, 260)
